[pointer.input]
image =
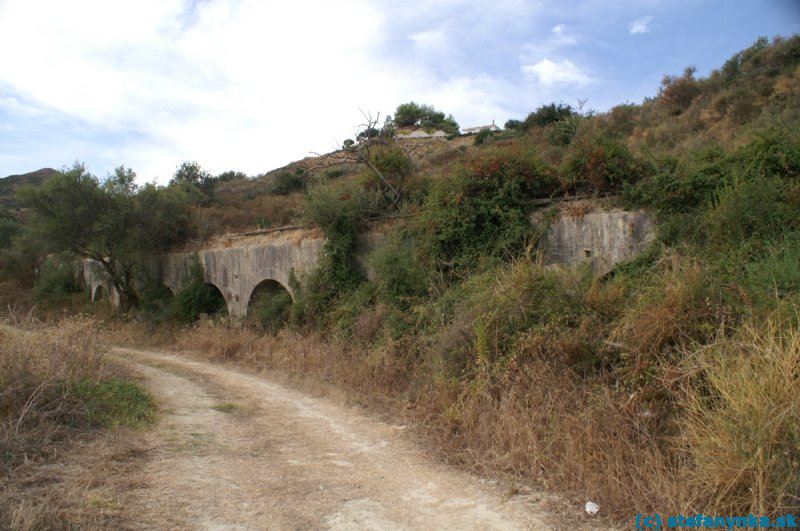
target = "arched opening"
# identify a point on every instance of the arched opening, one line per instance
(197, 297)
(156, 300)
(99, 294)
(269, 305)
(210, 301)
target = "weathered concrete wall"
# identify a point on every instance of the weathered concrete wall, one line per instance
(602, 238)
(236, 265)
(99, 283)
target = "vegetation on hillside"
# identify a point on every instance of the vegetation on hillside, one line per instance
(424, 116)
(56, 384)
(662, 386)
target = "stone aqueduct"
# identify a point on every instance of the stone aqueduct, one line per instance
(238, 265)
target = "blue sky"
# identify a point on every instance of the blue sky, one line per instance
(251, 85)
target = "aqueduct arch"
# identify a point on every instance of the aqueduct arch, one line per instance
(237, 264)
(99, 293)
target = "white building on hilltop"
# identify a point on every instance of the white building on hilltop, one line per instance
(475, 130)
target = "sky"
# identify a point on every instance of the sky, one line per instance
(251, 85)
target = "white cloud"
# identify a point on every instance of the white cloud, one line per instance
(550, 73)
(640, 25)
(245, 85)
(560, 36)
(430, 40)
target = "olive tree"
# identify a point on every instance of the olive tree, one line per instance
(116, 222)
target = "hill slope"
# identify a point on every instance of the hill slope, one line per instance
(9, 185)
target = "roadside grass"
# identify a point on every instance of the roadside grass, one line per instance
(116, 402)
(626, 391)
(56, 385)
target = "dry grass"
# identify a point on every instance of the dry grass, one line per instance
(52, 395)
(663, 425)
(742, 428)
(35, 368)
(669, 315)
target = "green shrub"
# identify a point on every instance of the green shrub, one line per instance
(9, 227)
(750, 209)
(340, 209)
(484, 136)
(270, 307)
(548, 114)
(483, 211)
(680, 185)
(196, 298)
(56, 281)
(774, 153)
(778, 272)
(286, 182)
(334, 173)
(394, 165)
(399, 277)
(600, 164)
(155, 301)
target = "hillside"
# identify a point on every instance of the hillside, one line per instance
(9, 185)
(667, 384)
(689, 118)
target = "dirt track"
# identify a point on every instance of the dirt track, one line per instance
(233, 450)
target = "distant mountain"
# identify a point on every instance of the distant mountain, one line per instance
(9, 185)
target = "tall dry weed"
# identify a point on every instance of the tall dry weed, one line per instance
(37, 367)
(742, 426)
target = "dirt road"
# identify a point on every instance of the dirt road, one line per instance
(236, 451)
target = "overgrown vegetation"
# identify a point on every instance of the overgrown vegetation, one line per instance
(425, 116)
(55, 384)
(196, 297)
(664, 386)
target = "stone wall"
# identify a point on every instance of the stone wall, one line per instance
(236, 265)
(602, 238)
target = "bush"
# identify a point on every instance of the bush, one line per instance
(9, 227)
(680, 186)
(750, 209)
(399, 277)
(774, 153)
(270, 307)
(483, 211)
(155, 301)
(340, 209)
(677, 93)
(56, 281)
(548, 114)
(777, 273)
(196, 298)
(600, 164)
(484, 137)
(286, 182)
(394, 165)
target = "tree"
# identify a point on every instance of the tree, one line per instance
(194, 180)
(548, 114)
(115, 223)
(408, 114)
(426, 116)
